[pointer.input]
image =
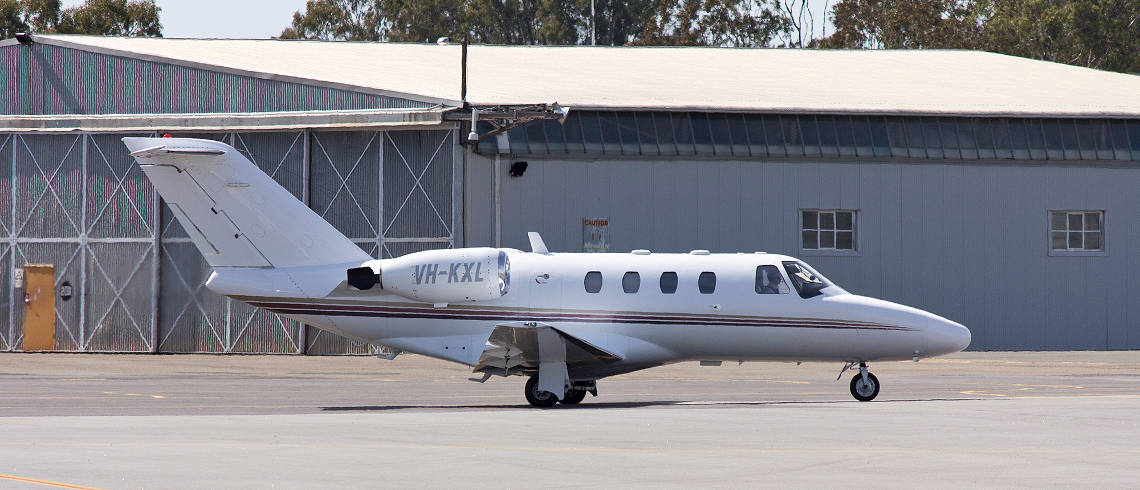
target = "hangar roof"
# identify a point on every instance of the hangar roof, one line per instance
(665, 78)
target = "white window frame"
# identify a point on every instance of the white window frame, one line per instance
(855, 224)
(1076, 252)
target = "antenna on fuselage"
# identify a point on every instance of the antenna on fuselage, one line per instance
(536, 244)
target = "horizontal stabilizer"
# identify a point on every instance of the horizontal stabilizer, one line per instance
(165, 150)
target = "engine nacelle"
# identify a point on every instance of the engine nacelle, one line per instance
(448, 276)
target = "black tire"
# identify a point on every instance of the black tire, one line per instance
(536, 397)
(573, 397)
(863, 392)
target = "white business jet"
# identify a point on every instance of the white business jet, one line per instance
(565, 320)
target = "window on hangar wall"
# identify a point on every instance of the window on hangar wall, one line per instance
(828, 229)
(734, 135)
(1076, 231)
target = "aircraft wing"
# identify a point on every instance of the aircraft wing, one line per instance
(519, 347)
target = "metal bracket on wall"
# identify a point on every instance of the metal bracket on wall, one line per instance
(504, 118)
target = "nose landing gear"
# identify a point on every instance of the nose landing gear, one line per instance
(864, 386)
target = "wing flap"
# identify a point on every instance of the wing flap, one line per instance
(514, 348)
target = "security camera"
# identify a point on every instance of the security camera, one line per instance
(472, 136)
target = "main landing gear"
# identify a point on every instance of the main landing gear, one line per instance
(546, 399)
(864, 386)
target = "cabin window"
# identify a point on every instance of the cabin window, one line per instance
(593, 281)
(631, 282)
(1076, 231)
(770, 281)
(828, 229)
(668, 282)
(706, 283)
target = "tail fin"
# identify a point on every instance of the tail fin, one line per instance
(235, 214)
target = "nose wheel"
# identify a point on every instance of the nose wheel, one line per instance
(864, 386)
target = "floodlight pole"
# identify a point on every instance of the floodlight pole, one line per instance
(593, 26)
(463, 75)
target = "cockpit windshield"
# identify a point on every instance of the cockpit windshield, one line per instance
(805, 280)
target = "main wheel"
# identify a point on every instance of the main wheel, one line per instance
(864, 391)
(573, 397)
(537, 397)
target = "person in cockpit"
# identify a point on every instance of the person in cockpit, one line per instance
(774, 280)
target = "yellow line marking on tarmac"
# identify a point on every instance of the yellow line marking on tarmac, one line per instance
(132, 394)
(1039, 397)
(45, 482)
(902, 451)
(1090, 395)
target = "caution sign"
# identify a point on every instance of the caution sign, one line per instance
(596, 235)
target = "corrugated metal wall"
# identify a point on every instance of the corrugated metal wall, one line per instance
(966, 241)
(8, 73)
(81, 203)
(7, 332)
(72, 81)
(419, 193)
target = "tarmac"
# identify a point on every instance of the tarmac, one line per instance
(979, 419)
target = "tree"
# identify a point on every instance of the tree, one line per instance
(904, 24)
(113, 18)
(798, 22)
(96, 17)
(739, 23)
(41, 14)
(1101, 34)
(1095, 33)
(27, 16)
(646, 22)
(487, 21)
(342, 20)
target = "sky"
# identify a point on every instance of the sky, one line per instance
(249, 19)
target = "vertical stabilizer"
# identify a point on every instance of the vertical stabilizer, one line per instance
(237, 215)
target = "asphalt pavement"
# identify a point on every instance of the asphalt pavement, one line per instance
(1034, 419)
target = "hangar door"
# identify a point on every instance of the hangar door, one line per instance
(79, 202)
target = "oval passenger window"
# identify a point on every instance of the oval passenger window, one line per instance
(668, 282)
(631, 282)
(593, 281)
(706, 282)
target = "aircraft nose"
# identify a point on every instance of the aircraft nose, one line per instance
(947, 337)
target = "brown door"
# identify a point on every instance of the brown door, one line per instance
(39, 307)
